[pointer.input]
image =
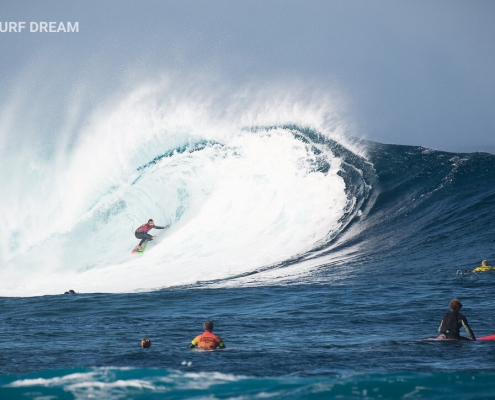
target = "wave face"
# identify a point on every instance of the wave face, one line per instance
(250, 198)
(419, 211)
(430, 205)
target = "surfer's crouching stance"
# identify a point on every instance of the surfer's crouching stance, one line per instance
(142, 232)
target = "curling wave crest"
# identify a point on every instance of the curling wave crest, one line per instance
(240, 191)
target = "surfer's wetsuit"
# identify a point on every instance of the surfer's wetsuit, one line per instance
(142, 232)
(451, 324)
(207, 341)
(484, 268)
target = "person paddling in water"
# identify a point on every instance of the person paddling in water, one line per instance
(142, 232)
(484, 267)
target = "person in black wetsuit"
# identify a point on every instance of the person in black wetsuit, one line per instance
(452, 322)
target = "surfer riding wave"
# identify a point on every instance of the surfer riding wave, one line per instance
(142, 232)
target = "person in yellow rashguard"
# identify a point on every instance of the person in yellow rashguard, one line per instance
(484, 267)
(207, 340)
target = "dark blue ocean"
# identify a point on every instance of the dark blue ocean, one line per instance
(345, 317)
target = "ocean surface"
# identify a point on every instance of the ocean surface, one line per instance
(323, 262)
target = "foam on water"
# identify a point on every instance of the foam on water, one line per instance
(114, 383)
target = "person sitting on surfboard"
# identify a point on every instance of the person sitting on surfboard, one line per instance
(484, 267)
(208, 340)
(452, 322)
(142, 232)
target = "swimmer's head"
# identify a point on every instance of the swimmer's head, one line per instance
(208, 326)
(484, 263)
(145, 343)
(455, 305)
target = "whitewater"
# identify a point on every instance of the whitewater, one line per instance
(238, 184)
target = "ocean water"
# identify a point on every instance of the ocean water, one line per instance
(322, 260)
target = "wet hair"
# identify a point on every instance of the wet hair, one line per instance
(150, 220)
(145, 343)
(70, 292)
(455, 305)
(484, 262)
(208, 325)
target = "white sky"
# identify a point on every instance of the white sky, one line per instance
(413, 72)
